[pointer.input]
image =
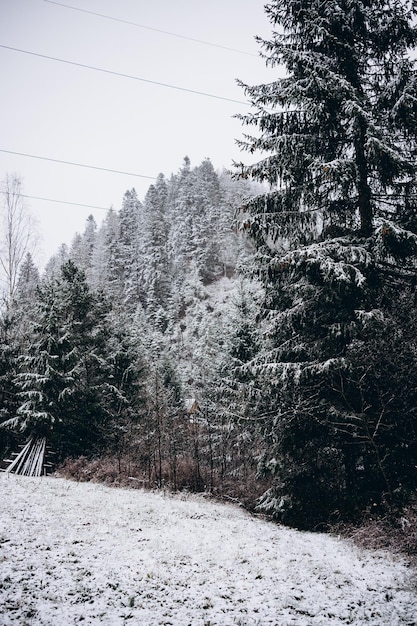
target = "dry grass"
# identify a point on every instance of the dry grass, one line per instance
(396, 533)
(184, 476)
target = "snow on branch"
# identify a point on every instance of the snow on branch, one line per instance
(337, 260)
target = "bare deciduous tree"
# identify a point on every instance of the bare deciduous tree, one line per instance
(17, 237)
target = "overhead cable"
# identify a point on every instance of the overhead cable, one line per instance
(91, 167)
(157, 30)
(88, 206)
(130, 76)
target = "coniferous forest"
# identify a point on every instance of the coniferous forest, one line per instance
(250, 334)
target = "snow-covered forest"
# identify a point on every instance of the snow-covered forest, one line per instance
(118, 349)
(251, 335)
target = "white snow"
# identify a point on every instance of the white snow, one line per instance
(85, 553)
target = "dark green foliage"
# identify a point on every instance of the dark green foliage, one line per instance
(58, 375)
(74, 373)
(9, 353)
(336, 229)
(374, 403)
(15, 335)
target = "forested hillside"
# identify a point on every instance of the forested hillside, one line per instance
(119, 349)
(254, 336)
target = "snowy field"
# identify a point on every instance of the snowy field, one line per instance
(87, 554)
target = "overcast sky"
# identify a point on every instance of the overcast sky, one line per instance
(70, 113)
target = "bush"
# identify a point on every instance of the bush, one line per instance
(396, 532)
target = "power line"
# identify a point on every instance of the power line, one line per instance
(88, 206)
(91, 167)
(157, 30)
(130, 76)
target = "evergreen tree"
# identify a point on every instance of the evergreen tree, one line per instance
(156, 266)
(181, 233)
(83, 246)
(28, 280)
(100, 258)
(206, 226)
(16, 325)
(130, 244)
(235, 245)
(338, 223)
(9, 358)
(25, 298)
(106, 258)
(53, 267)
(62, 378)
(238, 397)
(124, 391)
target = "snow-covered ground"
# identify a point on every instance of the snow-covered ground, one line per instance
(84, 553)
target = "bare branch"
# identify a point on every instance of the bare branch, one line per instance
(18, 235)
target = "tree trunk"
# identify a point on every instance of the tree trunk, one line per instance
(364, 191)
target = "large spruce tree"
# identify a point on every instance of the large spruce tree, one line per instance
(335, 237)
(76, 375)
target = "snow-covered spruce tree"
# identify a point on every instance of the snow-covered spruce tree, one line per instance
(181, 214)
(234, 245)
(64, 377)
(25, 298)
(106, 267)
(130, 247)
(16, 322)
(239, 400)
(9, 354)
(336, 228)
(155, 261)
(124, 391)
(82, 248)
(207, 221)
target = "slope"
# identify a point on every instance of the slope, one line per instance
(85, 553)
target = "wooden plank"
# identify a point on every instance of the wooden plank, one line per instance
(17, 462)
(30, 461)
